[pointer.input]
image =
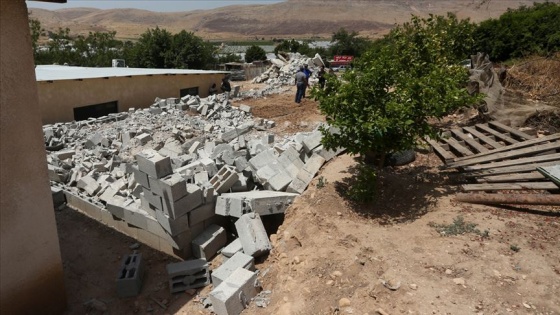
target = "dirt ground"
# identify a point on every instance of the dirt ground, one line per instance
(332, 256)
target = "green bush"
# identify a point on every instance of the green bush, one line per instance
(520, 32)
(255, 53)
(384, 104)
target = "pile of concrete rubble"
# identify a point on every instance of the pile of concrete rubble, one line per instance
(169, 175)
(282, 71)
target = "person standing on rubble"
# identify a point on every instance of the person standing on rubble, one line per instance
(301, 84)
(307, 73)
(226, 86)
(321, 76)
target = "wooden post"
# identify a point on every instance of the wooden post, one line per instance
(522, 199)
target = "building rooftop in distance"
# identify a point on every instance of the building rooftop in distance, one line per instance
(56, 72)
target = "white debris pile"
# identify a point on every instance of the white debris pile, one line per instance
(282, 72)
(171, 173)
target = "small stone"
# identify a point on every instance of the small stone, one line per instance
(339, 214)
(413, 286)
(336, 274)
(297, 260)
(448, 271)
(135, 246)
(330, 282)
(459, 281)
(526, 305)
(344, 302)
(96, 305)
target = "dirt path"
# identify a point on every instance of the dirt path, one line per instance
(330, 256)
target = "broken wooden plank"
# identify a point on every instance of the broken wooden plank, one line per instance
(521, 161)
(458, 147)
(551, 172)
(470, 141)
(509, 169)
(483, 137)
(511, 186)
(514, 199)
(508, 154)
(512, 131)
(533, 176)
(497, 134)
(445, 155)
(519, 145)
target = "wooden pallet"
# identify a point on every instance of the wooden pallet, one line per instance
(498, 157)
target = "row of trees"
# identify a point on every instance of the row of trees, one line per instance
(527, 30)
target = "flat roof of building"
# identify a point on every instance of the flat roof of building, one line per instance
(56, 72)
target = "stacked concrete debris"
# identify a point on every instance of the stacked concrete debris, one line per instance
(282, 72)
(164, 177)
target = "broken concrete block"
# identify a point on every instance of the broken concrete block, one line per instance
(173, 187)
(312, 141)
(130, 275)
(89, 184)
(209, 165)
(153, 164)
(201, 177)
(238, 260)
(116, 206)
(262, 202)
(135, 216)
(207, 244)
(144, 138)
(245, 108)
(232, 248)
(58, 174)
(65, 154)
(306, 174)
(153, 199)
(190, 274)
(224, 179)
(252, 235)
(233, 295)
(262, 159)
(280, 181)
(173, 226)
(201, 213)
(178, 208)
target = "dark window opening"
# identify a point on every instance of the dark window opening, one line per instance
(96, 110)
(189, 91)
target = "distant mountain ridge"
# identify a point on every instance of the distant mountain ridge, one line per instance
(290, 19)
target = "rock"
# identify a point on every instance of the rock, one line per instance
(526, 305)
(96, 305)
(330, 282)
(448, 271)
(344, 302)
(134, 246)
(380, 311)
(459, 281)
(336, 274)
(413, 286)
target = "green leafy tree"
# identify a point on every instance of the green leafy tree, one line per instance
(254, 53)
(35, 28)
(152, 49)
(188, 51)
(384, 105)
(98, 49)
(345, 43)
(521, 32)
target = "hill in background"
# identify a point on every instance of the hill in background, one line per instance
(290, 19)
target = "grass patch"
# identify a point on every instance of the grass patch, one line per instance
(321, 182)
(458, 227)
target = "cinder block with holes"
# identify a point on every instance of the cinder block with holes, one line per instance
(131, 273)
(190, 274)
(224, 179)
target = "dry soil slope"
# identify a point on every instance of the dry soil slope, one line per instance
(292, 18)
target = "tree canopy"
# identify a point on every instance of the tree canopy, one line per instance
(254, 53)
(385, 103)
(521, 32)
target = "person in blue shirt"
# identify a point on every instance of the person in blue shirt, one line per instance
(307, 73)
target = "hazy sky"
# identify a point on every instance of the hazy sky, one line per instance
(160, 6)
